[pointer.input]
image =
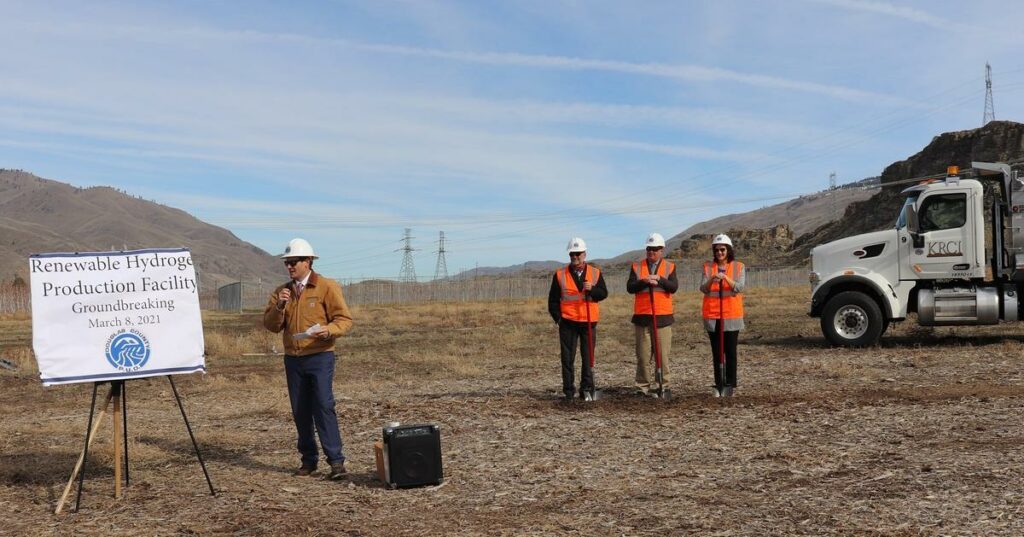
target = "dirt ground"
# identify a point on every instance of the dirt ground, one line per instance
(921, 435)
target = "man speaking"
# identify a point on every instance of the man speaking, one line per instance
(311, 312)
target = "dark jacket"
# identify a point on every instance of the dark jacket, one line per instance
(668, 283)
(597, 294)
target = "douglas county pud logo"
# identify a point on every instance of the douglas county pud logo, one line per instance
(127, 350)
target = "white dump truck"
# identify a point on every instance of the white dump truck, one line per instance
(934, 262)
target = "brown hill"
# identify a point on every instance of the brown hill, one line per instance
(803, 214)
(39, 215)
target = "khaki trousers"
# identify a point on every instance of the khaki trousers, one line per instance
(645, 357)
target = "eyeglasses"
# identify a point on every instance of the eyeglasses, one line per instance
(293, 261)
(721, 249)
(655, 248)
(576, 254)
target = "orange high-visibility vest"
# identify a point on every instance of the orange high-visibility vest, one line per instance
(662, 298)
(732, 302)
(573, 302)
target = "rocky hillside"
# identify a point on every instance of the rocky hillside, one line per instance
(39, 215)
(761, 247)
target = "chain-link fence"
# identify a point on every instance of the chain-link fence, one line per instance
(254, 295)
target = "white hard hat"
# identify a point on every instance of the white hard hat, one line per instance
(721, 238)
(655, 240)
(298, 248)
(576, 244)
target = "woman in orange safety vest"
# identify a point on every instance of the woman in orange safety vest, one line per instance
(722, 283)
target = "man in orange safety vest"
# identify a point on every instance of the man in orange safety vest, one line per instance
(572, 302)
(652, 282)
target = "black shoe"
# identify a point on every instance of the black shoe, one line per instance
(339, 470)
(305, 470)
(568, 397)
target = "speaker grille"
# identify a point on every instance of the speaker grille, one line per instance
(414, 455)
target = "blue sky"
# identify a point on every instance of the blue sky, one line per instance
(511, 126)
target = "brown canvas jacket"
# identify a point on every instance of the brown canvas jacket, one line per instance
(321, 302)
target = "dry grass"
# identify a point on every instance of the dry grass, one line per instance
(223, 344)
(918, 436)
(15, 316)
(22, 358)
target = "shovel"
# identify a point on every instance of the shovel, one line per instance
(657, 347)
(594, 394)
(721, 338)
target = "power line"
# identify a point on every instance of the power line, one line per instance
(794, 154)
(678, 208)
(797, 153)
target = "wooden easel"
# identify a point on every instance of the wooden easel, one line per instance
(118, 396)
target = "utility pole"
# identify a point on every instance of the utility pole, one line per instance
(441, 269)
(408, 272)
(990, 108)
(832, 191)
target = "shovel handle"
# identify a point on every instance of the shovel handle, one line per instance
(721, 332)
(657, 344)
(654, 330)
(590, 329)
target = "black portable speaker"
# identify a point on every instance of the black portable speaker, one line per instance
(412, 456)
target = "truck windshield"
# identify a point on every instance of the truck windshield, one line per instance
(901, 222)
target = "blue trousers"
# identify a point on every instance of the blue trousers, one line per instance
(311, 390)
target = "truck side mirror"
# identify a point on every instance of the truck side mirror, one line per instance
(914, 226)
(912, 223)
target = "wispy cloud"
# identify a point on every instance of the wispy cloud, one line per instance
(664, 149)
(360, 139)
(680, 72)
(891, 10)
(690, 73)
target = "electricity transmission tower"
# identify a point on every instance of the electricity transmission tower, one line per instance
(408, 272)
(441, 269)
(990, 109)
(832, 191)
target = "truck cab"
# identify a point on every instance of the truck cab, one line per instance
(932, 262)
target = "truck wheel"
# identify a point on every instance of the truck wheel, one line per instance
(852, 319)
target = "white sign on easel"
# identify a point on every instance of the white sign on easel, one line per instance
(115, 315)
